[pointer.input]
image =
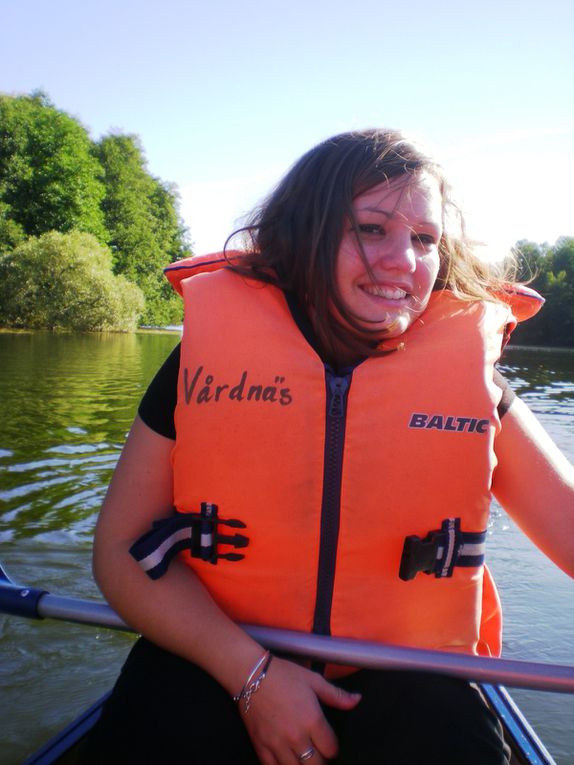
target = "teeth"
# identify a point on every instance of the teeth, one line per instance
(390, 293)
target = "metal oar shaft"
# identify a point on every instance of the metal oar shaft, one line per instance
(356, 653)
(80, 611)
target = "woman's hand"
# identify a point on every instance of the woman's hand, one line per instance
(285, 718)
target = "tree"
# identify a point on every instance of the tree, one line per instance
(49, 176)
(65, 281)
(54, 178)
(552, 269)
(530, 259)
(11, 232)
(563, 257)
(141, 215)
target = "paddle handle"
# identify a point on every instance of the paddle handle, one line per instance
(357, 653)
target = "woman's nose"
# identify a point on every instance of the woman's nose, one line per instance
(398, 254)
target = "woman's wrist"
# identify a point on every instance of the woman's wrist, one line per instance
(231, 659)
(253, 682)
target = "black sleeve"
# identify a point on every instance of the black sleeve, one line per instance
(508, 395)
(157, 406)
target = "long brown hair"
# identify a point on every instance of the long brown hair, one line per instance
(293, 237)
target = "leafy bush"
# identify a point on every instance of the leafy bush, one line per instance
(65, 281)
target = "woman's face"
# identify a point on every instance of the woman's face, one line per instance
(399, 223)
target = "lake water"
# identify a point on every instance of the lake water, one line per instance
(66, 404)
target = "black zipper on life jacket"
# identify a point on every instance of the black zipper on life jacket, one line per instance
(337, 387)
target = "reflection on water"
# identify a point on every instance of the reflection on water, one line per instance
(545, 380)
(66, 404)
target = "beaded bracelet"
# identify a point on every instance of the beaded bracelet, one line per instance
(253, 682)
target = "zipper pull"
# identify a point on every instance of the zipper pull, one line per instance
(338, 387)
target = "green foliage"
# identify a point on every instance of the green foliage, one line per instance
(65, 281)
(145, 231)
(53, 177)
(11, 232)
(552, 269)
(530, 258)
(49, 177)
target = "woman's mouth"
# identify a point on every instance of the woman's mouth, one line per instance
(383, 291)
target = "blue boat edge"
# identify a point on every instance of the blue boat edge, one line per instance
(61, 749)
(521, 736)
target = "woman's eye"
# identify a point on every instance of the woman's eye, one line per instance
(370, 229)
(426, 240)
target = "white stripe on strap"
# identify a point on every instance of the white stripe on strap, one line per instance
(467, 549)
(156, 556)
(450, 546)
(472, 549)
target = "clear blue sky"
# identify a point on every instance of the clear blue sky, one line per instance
(226, 95)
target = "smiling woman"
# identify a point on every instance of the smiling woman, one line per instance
(362, 505)
(388, 261)
(294, 237)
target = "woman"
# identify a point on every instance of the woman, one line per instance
(337, 439)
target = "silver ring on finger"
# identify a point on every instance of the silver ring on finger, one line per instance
(307, 754)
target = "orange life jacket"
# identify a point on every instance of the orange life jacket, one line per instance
(332, 472)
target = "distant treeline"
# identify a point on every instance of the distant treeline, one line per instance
(549, 269)
(85, 230)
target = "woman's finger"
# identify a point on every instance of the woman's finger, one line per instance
(334, 696)
(309, 755)
(325, 744)
(266, 756)
(306, 755)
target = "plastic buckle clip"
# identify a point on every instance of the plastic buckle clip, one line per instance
(205, 537)
(421, 554)
(437, 553)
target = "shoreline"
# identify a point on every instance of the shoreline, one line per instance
(542, 348)
(169, 330)
(138, 331)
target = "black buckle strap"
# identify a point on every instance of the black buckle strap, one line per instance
(441, 550)
(196, 532)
